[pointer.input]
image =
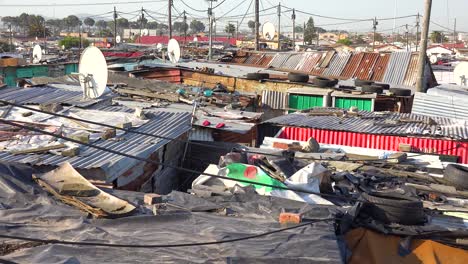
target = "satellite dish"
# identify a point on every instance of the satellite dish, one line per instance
(145, 32)
(117, 39)
(37, 54)
(297, 48)
(173, 50)
(159, 46)
(63, 47)
(93, 72)
(195, 39)
(433, 59)
(268, 31)
(460, 73)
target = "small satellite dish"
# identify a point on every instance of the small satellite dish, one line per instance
(195, 39)
(145, 32)
(173, 50)
(117, 39)
(63, 47)
(159, 46)
(37, 54)
(433, 59)
(93, 72)
(268, 31)
(297, 48)
(460, 73)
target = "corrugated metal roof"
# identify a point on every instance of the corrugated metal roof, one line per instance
(328, 57)
(265, 60)
(412, 71)
(397, 67)
(274, 99)
(292, 61)
(380, 67)
(279, 59)
(310, 62)
(442, 106)
(365, 69)
(171, 125)
(352, 65)
(337, 64)
(253, 58)
(41, 95)
(375, 123)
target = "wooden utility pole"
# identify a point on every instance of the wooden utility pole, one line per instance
(170, 18)
(279, 26)
(407, 37)
(293, 17)
(11, 37)
(417, 32)
(185, 28)
(375, 23)
(115, 26)
(257, 25)
(454, 32)
(420, 85)
(303, 34)
(141, 21)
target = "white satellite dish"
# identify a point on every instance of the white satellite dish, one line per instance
(118, 39)
(268, 31)
(93, 72)
(460, 73)
(173, 50)
(145, 32)
(37, 54)
(195, 39)
(159, 46)
(297, 48)
(433, 59)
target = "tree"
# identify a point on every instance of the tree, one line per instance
(230, 29)
(379, 37)
(142, 22)
(36, 26)
(152, 25)
(197, 26)
(299, 29)
(438, 37)
(72, 22)
(345, 41)
(73, 42)
(309, 33)
(161, 29)
(23, 21)
(55, 25)
(89, 22)
(251, 25)
(5, 47)
(101, 25)
(180, 27)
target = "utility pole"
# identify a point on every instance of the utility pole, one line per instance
(115, 27)
(11, 37)
(210, 17)
(293, 17)
(279, 26)
(375, 23)
(141, 21)
(454, 32)
(407, 38)
(80, 27)
(420, 85)
(257, 25)
(45, 37)
(170, 19)
(417, 32)
(185, 28)
(303, 34)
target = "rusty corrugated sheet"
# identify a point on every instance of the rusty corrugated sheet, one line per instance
(397, 67)
(352, 65)
(253, 58)
(293, 61)
(265, 60)
(337, 64)
(412, 72)
(311, 62)
(279, 59)
(364, 71)
(380, 67)
(327, 59)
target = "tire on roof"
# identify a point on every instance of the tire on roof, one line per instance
(393, 208)
(400, 91)
(457, 175)
(257, 76)
(372, 89)
(324, 82)
(298, 77)
(360, 83)
(383, 85)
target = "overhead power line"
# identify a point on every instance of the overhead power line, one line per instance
(81, 4)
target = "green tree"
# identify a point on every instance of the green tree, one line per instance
(251, 25)
(180, 27)
(89, 22)
(345, 41)
(438, 37)
(5, 47)
(101, 24)
(36, 26)
(309, 33)
(230, 29)
(197, 26)
(379, 37)
(152, 25)
(55, 25)
(23, 21)
(72, 22)
(299, 29)
(73, 42)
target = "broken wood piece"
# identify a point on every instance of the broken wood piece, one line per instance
(6, 111)
(81, 137)
(37, 149)
(438, 189)
(152, 198)
(26, 114)
(71, 152)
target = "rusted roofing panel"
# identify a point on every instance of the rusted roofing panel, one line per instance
(412, 72)
(397, 67)
(310, 62)
(279, 59)
(364, 71)
(293, 61)
(337, 64)
(239, 59)
(380, 67)
(253, 58)
(351, 67)
(317, 71)
(265, 60)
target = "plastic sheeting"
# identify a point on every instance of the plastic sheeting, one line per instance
(28, 211)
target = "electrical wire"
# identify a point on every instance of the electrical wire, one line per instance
(197, 244)
(81, 4)
(234, 8)
(196, 10)
(175, 139)
(222, 2)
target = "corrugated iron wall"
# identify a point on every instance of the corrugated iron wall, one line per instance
(384, 142)
(337, 64)
(442, 106)
(351, 67)
(279, 59)
(380, 67)
(292, 62)
(366, 67)
(412, 71)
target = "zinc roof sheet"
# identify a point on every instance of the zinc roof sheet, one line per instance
(412, 71)
(352, 65)
(279, 60)
(292, 61)
(337, 64)
(365, 69)
(380, 67)
(397, 68)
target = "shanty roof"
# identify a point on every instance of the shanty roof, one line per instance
(376, 123)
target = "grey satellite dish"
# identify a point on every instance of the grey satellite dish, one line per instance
(297, 48)
(37, 54)
(145, 32)
(93, 72)
(173, 50)
(433, 59)
(460, 73)
(159, 46)
(268, 31)
(118, 39)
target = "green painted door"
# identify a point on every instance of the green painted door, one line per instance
(72, 67)
(346, 103)
(301, 102)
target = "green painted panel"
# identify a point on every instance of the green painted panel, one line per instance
(301, 102)
(25, 72)
(40, 71)
(10, 76)
(10, 80)
(72, 67)
(361, 104)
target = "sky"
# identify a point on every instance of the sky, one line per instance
(444, 12)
